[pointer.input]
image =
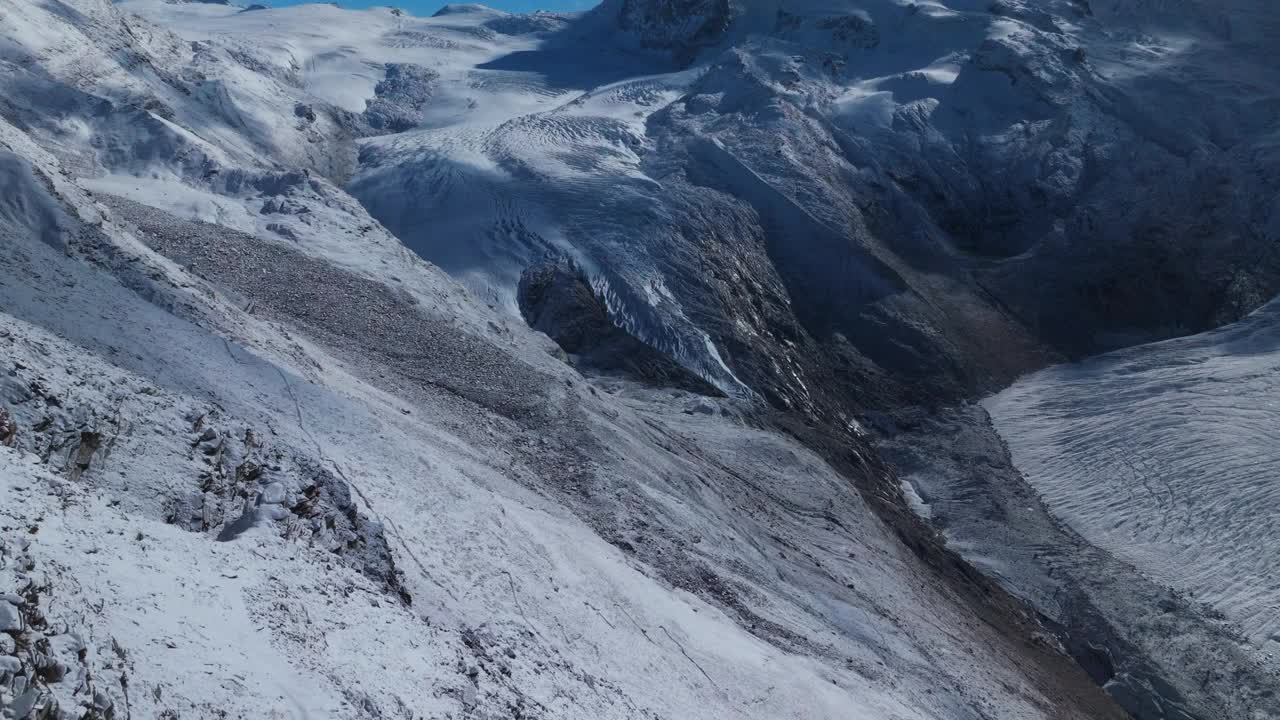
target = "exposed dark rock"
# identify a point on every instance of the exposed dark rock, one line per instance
(8, 429)
(89, 443)
(680, 26)
(247, 482)
(557, 298)
(536, 22)
(283, 231)
(399, 97)
(460, 9)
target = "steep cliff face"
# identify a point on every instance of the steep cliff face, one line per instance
(556, 298)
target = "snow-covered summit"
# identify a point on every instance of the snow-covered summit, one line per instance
(466, 9)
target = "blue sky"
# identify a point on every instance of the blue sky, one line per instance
(426, 7)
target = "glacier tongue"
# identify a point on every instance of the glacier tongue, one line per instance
(1164, 455)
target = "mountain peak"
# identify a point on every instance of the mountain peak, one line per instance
(466, 9)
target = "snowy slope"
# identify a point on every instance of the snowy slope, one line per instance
(259, 460)
(1164, 455)
(124, 441)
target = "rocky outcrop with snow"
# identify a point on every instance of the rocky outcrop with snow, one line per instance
(680, 26)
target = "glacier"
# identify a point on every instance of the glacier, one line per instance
(1162, 455)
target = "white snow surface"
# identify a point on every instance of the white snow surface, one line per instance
(1166, 456)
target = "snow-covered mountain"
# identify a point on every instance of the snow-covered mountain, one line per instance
(365, 365)
(875, 190)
